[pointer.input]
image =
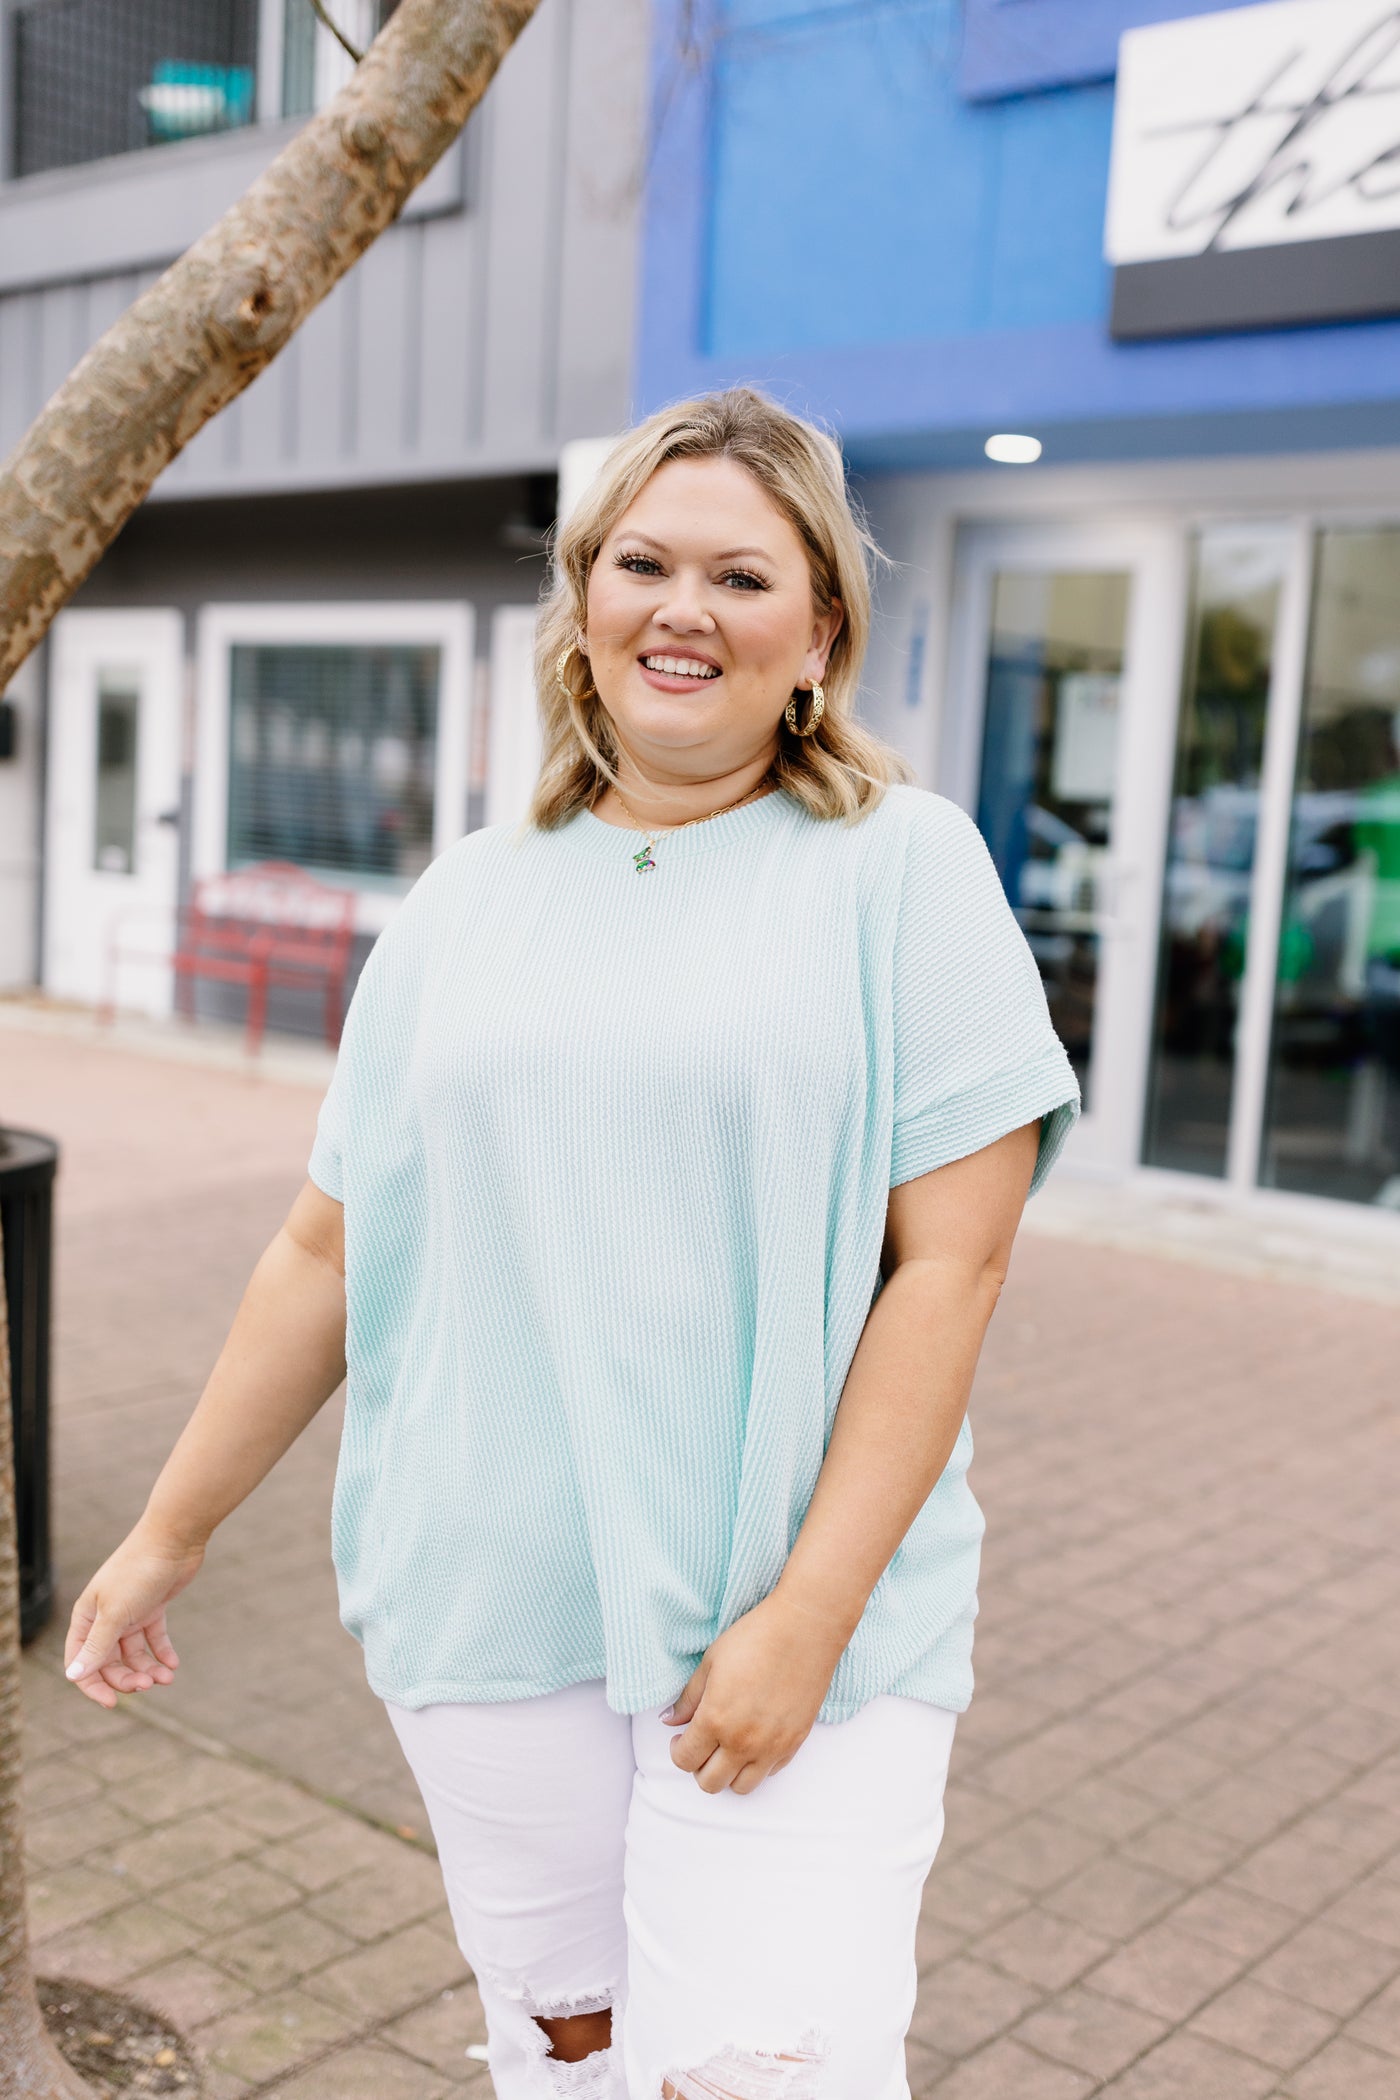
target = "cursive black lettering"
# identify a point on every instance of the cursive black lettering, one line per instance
(1290, 162)
(1378, 193)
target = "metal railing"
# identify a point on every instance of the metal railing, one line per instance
(96, 77)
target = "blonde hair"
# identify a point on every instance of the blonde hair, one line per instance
(840, 771)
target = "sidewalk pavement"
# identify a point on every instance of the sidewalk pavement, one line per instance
(1172, 1864)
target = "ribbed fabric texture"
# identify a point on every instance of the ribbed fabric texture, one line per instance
(615, 1151)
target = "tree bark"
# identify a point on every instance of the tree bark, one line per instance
(221, 313)
(30, 2066)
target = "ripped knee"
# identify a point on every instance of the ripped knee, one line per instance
(567, 2042)
(752, 2074)
(575, 2036)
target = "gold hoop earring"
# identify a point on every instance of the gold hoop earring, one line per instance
(818, 708)
(560, 665)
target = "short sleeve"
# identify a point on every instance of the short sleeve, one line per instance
(365, 1090)
(975, 1052)
(325, 1165)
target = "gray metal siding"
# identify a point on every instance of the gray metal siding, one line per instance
(491, 324)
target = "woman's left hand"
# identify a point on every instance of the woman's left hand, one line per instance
(752, 1699)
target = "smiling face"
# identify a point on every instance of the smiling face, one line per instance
(701, 622)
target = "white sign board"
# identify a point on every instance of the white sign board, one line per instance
(1256, 127)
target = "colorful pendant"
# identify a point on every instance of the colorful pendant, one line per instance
(642, 860)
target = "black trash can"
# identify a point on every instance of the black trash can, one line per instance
(28, 1164)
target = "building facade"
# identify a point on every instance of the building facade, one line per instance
(1150, 250)
(311, 645)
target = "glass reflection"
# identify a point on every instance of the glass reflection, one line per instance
(1333, 1120)
(1210, 850)
(1049, 767)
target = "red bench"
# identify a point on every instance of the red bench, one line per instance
(269, 924)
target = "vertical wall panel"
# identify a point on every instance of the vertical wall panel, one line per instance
(450, 331)
(317, 433)
(600, 197)
(519, 302)
(289, 399)
(478, 283)
(230, 429)
(14, 378)
(350, 294)
(202, 462)
(108, 299)
(411, 380)
(78, 337)
(386, 333)
(54, 317)
(260, 422)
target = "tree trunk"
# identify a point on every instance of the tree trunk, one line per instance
(221, 313)
(30, 2067)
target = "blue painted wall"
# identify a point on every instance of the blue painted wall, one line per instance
(1010, 47)
(916, 213)
(830, 214)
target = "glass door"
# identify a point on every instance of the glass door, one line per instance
(1063, 696)
(1198, 1094)
(1331, 1121)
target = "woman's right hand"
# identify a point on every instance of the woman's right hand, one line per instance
(117, 1638)
(284, 1357)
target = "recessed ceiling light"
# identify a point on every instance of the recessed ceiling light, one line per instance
(1011, 451)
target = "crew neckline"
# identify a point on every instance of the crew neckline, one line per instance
(593, 834)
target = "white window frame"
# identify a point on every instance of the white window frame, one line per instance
(448, 626)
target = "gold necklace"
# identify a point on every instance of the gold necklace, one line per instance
(642, 860)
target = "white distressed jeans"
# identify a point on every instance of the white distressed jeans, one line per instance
(751, 1946)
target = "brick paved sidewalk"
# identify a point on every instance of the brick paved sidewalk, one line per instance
(305, 1952)
(1173, 1857)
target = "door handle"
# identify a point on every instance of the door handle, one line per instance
(167, 816)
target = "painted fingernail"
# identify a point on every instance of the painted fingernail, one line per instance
(668, 1713)
(76, 1667)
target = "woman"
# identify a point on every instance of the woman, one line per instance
(707, 1100)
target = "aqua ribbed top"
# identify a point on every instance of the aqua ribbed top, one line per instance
(615, 1149)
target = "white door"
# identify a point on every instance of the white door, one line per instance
(1064, 684)
(112, 849)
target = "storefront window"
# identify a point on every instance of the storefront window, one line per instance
(1049, 767)
(331, 760)
(88, 79)
(1210, 851)
(1333, 1120)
